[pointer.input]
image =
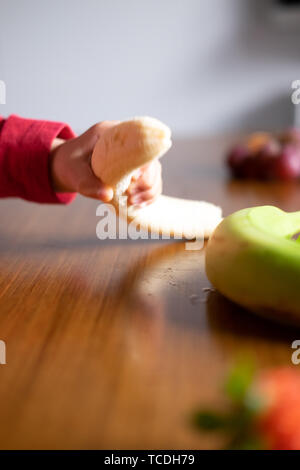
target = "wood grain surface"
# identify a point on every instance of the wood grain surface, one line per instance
(112, 344)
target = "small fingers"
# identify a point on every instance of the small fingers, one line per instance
(146, 197)
(145, 178)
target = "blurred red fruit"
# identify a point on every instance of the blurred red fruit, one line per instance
(279, 421)
(264, 411)
(236, 158)
(266, 160)
(248, 168)
(287, 166)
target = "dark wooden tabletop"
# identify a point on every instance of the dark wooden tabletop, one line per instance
(112, 344)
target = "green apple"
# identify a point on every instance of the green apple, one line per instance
(253, 258)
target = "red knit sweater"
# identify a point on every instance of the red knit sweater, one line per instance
(24, 159)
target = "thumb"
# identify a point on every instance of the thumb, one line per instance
(88, 139)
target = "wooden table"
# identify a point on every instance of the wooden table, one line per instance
(112, 344)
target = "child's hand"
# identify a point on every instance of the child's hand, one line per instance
(71, 170)
(145, 185)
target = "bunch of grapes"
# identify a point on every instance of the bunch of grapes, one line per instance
(267, 157)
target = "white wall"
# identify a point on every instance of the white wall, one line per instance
(202, 66)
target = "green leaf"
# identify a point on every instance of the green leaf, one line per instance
(208, 420)
(239, 380)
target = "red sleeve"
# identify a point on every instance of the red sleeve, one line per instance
(25, 159)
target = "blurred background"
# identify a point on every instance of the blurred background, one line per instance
(203, 67)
